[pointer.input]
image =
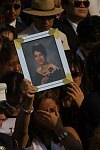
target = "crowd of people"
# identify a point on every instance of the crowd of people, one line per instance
(66, 117)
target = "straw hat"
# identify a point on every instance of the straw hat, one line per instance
(43, 8)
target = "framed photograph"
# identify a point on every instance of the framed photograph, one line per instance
(43, 59)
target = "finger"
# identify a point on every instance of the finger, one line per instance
(30, 96)
(71, 90)
(27, 81)
(72, 95)
(40, 118)
(44, 112)
(28, 89)
(44, 116)
(75, 86)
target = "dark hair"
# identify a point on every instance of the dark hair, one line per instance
(66, 2)
(13, 81)
(75, 61)
(93, 66)
(3, 1)
(89, 29)
(40, 48)
(95, 140)
(43, 96)
(7, 27)
(6, 52)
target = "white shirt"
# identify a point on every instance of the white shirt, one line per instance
(74, 25)
(13, 23)
(8, 126)
(37, 145)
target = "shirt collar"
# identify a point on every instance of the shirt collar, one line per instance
(74, 25)
(13, 23)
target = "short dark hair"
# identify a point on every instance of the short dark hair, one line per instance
(74, 60)
(13, 81)
(40, 48)
(6, 52)
(66, 2)
(89, 29)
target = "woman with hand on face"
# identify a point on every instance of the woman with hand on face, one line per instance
(46, 72)
(42, 128)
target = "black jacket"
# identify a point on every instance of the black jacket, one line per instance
(67, 29)
(8, 142)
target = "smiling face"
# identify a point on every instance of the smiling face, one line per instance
(39, 57)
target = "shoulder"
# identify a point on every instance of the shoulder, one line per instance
(64, 40)
(8, 142)
(28, 31)
(38, 69)
(73, 132)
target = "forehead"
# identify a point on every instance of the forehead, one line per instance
(47, 103)
(37, 52)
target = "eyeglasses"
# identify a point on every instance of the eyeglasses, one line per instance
(75, 74)
(80, 3)
(46, 17)
(10, 6)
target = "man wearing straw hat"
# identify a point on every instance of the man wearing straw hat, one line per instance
(43, 13)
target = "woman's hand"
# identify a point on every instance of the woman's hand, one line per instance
(76, 93)
(44, 80)
(28, 89)
(50, 119)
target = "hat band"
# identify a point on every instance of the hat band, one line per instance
(37, 9)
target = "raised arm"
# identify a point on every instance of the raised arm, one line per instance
(22, 121)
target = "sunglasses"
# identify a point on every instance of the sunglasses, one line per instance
(80, 3)
(10, 6)
(46, 17)
(75, 74)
